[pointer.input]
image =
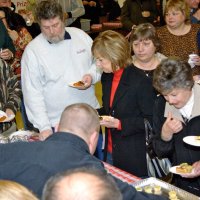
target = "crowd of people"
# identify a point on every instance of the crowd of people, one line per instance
(150, 75)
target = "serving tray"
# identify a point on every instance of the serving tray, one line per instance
(165, 188)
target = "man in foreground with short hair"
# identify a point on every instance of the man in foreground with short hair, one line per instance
(81, 184)
(32, 164)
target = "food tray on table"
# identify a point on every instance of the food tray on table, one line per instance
(165, 188)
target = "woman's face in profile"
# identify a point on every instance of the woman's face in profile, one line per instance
(144, 49)
(103, 63)
(178, 97)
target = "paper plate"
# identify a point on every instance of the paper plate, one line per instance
(192, 140)
(173, 170)
(8, 118)
(21, 133)
(77, 87)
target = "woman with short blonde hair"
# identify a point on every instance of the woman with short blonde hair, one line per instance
(11, 190)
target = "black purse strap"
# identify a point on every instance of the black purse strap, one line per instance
(148, 130)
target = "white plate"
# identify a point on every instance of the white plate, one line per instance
(21, 133)
(173, 170)
(192, 141)
(8, 118)
(77, 87)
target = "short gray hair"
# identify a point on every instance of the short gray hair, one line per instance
(172, 73)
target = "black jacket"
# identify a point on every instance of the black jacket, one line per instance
(133, 101)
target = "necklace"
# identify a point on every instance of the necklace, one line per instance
(149, 67)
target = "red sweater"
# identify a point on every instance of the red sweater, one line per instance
(115, 83)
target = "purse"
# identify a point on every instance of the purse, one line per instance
(157, 167)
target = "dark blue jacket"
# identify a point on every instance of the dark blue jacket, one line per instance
(32, 164)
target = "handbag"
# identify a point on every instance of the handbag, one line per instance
(157, 167)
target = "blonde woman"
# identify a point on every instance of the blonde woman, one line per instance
(11, 190)
(127, 99)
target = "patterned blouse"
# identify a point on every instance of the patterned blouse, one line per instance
(20, 44)
(180, 46)
(10, 92)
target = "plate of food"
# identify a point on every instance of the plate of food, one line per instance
(192, 140)
(182, 169)
(5, 118)
(20, 136)
(78, 85)
(105, 118)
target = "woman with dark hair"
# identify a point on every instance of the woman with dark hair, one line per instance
(145, 45)
(177, 115)
(16, 28)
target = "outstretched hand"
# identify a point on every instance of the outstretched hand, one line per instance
(195, 171)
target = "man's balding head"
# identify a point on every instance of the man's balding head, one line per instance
(82, 120)
(82, 184)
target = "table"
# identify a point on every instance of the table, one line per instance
(120, 174)
(115, 26)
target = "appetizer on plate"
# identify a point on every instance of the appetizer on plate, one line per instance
(5, 118)
(184, 168)
(79, 84)
(105, 117)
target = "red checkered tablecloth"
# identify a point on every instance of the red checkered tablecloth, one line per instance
(120, 174)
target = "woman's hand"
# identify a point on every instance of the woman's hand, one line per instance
(110, 122)
(170, 127)
(195, 171)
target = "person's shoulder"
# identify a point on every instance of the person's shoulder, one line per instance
(75, 31)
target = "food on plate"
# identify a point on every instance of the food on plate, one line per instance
(2, 118)
(157, 189)
(105, 117)
(139, 189)
(184, 168)
(172, 195)
(197, 138)
(100, 118)
(148, 189)
(79, 84)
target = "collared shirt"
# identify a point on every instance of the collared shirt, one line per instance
(186, 110)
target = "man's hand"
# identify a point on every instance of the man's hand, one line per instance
(87, 79)
(45, 134)
(170, 127)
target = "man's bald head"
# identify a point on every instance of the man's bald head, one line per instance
(79, 119)
(82, 184)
